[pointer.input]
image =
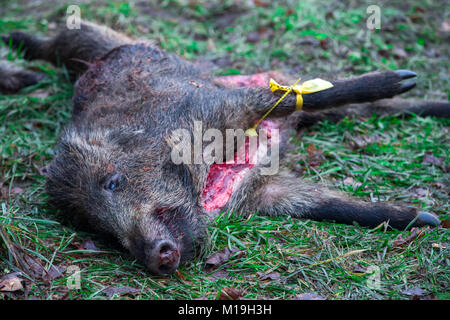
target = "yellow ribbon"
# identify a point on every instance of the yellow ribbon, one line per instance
(306, 87)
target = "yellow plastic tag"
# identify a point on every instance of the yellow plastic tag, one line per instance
(251, 132)
(306, 87)
(315, 85)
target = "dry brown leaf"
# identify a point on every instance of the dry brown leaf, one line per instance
(217, 259)
(259, 3)
(359, 269)
(419, 192)
(439, 185)
(399, 53)
(87, 244)
(445, 26)
(35, 268)
(230, 294)
(361, 141)
(54, 272)
(253, 37)
(430, 158)
(220, 274)
(440, 245)
(348, 181)
(445, 224)
(308, 296)
(88, 247)
(269, 276)
(40, 94)
(11, 282)
(6, 193)
(111, 291)
(416, 233)
(315, 156)
(415, 291)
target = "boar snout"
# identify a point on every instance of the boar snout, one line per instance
(162, 257)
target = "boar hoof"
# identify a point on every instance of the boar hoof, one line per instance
(427, 219)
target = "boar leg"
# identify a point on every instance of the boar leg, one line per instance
(284, 194)
(384, 107)
(76, 48)
(252, 103)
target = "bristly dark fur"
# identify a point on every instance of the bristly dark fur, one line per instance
(113, 168)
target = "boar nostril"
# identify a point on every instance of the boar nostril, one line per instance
(168, 257)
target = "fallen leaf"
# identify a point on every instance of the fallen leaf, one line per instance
(269, 276)
(211, 45)
(61, 293)
(329, 15)
(359, 269)
(220, 274)
(420, 9)
(266, 33)
(445, 224)
(260, 3)
(445, 26)
(416, 233)
(111, 291)
(142, 29)
(361, 141)
(253, 37)
(40, 94)
(54, 272)
(32, 266)
(308, 296)
(432, 53)
(430, 158)
(308, 41)
(11, 282)
(440, 245)
(6, 193)
(348, 181)
(315, 156)
(16, 190)
(415, 291)
(419, 192)
(230, 294)
(399, 53)
(217, 259)
(324, 43)
(439, 185)
(87, 244)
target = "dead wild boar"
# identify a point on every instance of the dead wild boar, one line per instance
(114, 169)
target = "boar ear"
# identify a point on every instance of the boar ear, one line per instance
(44, 171)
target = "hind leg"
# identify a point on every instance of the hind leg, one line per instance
(396, 106)
(74, 48)
(284, 194)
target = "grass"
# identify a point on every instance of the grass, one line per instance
(303, 38)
